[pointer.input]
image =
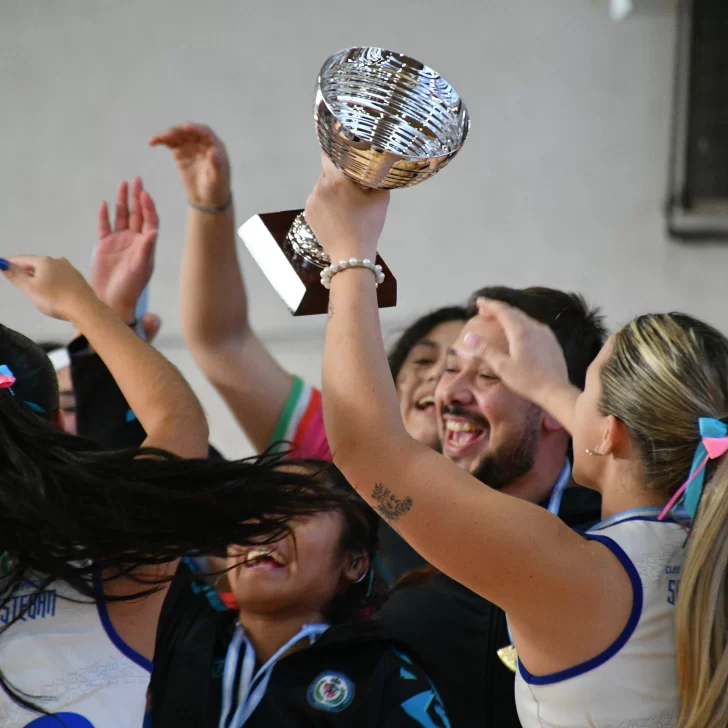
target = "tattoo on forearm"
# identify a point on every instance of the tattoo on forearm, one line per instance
(389, 507)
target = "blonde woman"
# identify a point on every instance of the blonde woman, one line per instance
(592, 615)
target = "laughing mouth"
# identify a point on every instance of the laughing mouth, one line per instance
(426, 404)
(264, 558)
(460, 435)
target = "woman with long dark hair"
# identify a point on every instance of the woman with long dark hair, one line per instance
(91, 538)
(299, 650)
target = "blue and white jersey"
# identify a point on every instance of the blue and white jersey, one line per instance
(67, 655)
(634, 682)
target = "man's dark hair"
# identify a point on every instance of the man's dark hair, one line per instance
(579, 329)
(418, 330)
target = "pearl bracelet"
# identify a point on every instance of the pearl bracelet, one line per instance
(330, 271)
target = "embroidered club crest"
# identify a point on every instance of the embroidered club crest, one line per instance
(331, 691)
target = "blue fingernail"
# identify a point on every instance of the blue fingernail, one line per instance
(4, 265)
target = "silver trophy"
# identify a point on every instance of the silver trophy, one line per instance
(386, 121)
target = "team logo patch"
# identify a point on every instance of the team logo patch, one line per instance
(331, 691)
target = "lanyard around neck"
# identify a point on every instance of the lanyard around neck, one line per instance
(559, 488)
(252, 687)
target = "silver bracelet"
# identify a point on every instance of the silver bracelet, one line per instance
(330, 271)
(212, 210)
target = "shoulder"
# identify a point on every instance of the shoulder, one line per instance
(379, 682)
(639, 539)
(191, 616)
(390, 669)
(192, 638)
(409, 696)
(301, 422)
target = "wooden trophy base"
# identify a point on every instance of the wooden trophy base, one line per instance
(295, 280)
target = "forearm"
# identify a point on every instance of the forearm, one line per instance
(156, 392)
(360, 401)
(560, 403)
(216, 329)
(214, 304)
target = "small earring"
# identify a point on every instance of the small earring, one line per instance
(594, 453)
(362, 577)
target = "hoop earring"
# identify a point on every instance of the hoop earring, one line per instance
(593, 453)
(362, 577)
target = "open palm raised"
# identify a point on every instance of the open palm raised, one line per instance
(202, 162)
(124, 260)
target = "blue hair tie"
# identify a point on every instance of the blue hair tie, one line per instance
(713, 443)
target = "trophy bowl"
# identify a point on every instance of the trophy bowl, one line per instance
(386, 121)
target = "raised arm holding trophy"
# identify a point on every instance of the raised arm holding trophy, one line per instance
(386, 121)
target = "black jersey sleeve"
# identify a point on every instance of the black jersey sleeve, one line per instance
(102, 412)
(410, 700)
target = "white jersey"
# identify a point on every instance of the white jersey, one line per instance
(69, 656)
(632, 684)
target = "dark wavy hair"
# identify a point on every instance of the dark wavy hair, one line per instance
(70, 510)
(417, 331)
(35, 376)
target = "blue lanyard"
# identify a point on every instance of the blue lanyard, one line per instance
(559, 488)
(252, 687)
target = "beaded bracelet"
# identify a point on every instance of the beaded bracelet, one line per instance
(212, 210)
(330, 271)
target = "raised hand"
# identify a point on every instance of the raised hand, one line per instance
(346, 219)
(533, 364)
(53, 285)
(124, 260)
(202, 162)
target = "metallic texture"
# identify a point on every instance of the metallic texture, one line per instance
(386, 121)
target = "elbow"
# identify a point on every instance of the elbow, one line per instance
(213, 346)
(186, 435)
(196, 435)
(206, 335)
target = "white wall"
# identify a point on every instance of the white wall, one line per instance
(561, 182)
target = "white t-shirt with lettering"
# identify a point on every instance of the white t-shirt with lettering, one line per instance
(67, 655)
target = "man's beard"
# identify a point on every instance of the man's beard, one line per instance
(514, 459)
